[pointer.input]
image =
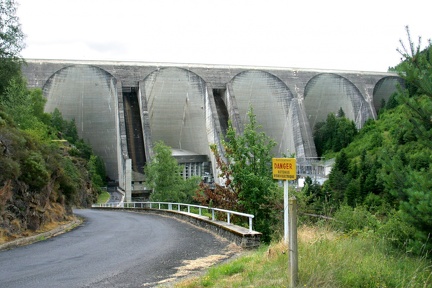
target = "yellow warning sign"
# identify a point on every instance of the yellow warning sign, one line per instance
(284, 168)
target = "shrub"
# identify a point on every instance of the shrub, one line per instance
(34, 171)
(397, 232)
(354, 219)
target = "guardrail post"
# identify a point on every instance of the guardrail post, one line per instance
(250, 224)
(199, 209)
(178, 207)
(188, 208)
(170, 206)
(228, 218)
(213, 216)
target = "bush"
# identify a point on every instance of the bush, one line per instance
(34, 171)
(397, 232)
(354, 219)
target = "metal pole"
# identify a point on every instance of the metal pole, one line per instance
(293, 250)
(286, 229)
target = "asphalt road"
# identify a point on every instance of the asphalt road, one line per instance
(110, 249)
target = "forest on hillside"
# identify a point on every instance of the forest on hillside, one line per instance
(382, 174)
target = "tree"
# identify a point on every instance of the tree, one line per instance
(413, 152)
(246, 169)
(388, 165)
(15, 99)
(315, 197)
(163, 176)
(26, 108)
(96, 168)
(339, 178)
(11, 43)
(336, 133)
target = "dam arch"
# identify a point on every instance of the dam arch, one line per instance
(175, 106)
(326, 93)
(276, 110)
(384, 89)
(88, 94)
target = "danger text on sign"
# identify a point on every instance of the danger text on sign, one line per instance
(284, 168)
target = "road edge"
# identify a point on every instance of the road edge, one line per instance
(42, 236)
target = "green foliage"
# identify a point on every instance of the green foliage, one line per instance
(57, 120)
(334, 134)
(40, 165)
(416, 66)
(15, 101)
(103, 197)
(397, 232)
(247, 172)
(163, 176)
(11, 36)
(82, 149)
(315, 198)
(35, 172)
(11, 43)
(67, 130)
(339, 179)
(29, 157)
(69, 180)
(413, 149)
(354, 219)
(96, 168)
(327, 259)
(388, 165)
(26, 108)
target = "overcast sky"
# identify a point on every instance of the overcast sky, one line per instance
(348, 35)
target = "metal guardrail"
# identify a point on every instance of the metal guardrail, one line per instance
(170, 205)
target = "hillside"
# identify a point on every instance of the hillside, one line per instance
(383, 173)
(42, 177)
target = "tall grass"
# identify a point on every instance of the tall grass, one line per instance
(103, 197)
(326, 259)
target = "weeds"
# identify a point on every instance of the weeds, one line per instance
(326, 259)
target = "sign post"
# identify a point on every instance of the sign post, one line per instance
(285, 169)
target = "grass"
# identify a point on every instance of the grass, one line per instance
(326, 259)
(103, 197)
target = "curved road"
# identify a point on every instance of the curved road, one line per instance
(110, 249)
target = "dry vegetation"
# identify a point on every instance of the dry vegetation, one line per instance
(326, 259)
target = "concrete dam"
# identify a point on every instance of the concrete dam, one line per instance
(123, 108)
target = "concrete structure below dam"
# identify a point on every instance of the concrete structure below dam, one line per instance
(123, 108)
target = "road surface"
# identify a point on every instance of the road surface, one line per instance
(110, 249)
